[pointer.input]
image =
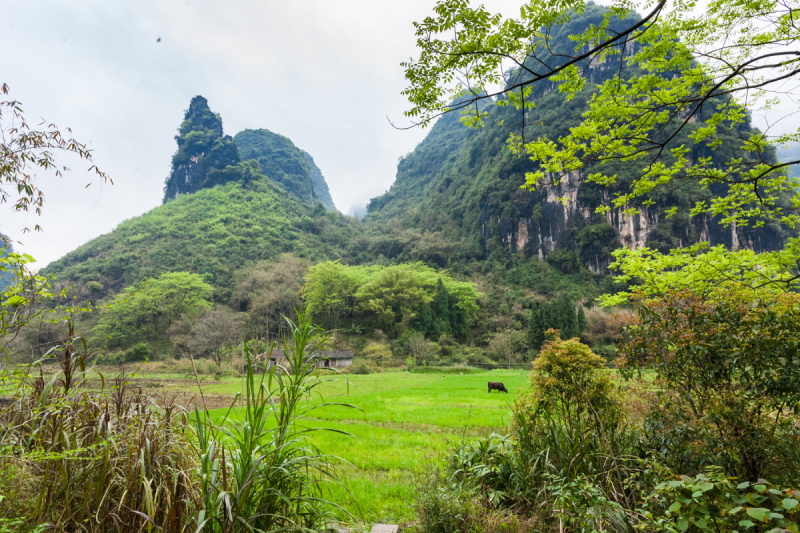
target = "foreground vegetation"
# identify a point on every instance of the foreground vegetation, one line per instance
(78, 460)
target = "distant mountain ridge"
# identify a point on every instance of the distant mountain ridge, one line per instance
(456, 203)
(206, 157)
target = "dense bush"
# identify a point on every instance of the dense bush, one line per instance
(139, 353)
(360, 368)
(447, 507)
(394, 298)
(728, 375)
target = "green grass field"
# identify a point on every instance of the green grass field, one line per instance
(404, 423)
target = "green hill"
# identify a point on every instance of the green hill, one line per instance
(320, 185)
(213, 232)
(285, 164)
(456, 203)
(463, 185)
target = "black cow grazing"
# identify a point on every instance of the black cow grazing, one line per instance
(496, 385)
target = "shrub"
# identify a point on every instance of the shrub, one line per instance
(90, 461)
(711, 502)
(608, 352)
(139, 353)
(360, 368)
(728, 372)
(444, 506)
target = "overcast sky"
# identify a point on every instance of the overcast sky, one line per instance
(324, 73)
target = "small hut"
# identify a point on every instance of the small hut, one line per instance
(327, 359)
(335, 359)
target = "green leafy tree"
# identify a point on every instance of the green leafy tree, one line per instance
(558, 314)
(581, 320)
(535, 327)
(669, 96)
(441, 311)
(420, 349)
(148, 311)
(330, 291)
(375, 351)
(727, 374)
(394, 297)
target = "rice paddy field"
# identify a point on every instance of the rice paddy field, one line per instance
(401, 424)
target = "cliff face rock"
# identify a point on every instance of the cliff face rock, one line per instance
(463, 186)
(556, 220)
(202, 149)
(206, 157)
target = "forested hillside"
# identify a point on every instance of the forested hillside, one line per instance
(285, 164)
(464, 185)
(213, 232)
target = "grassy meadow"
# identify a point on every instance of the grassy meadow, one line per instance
(401, 424)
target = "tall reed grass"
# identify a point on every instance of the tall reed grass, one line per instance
(260, 472)
(77, 460)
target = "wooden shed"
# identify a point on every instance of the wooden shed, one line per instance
(328, 359)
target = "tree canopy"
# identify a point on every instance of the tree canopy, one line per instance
(669, 94)
(394, 296)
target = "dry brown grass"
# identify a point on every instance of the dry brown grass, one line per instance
(602, 325)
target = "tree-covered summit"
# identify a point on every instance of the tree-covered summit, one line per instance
(285, 164)
(464, 184)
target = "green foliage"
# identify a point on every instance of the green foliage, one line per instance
(712, 502)
(91, 460)
(139, 353)
(446, 507)
(658, 130)
(393, 297)
(557, 314)
(320, 185)
(260, 472)
(727, 372)
(214, 233)
(330, 290)
(21, 298)
(281, 161)
(377, 352)
(202, 151)
(571, 384)
(703, 270)
(361, 368)
(459, 370)
(148, 311)
(396, 297)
